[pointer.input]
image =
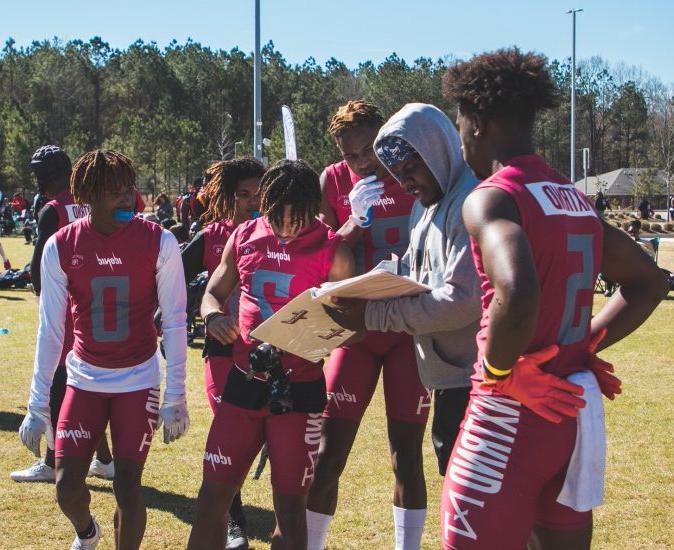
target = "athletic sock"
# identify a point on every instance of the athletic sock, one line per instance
(409, 526)
(317, 530)
(88, 532)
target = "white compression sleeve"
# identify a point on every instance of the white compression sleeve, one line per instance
(51, 329)
(172, 297)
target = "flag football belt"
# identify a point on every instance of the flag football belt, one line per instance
(214, 348)
(253, 394)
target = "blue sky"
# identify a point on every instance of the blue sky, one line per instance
(356, 30)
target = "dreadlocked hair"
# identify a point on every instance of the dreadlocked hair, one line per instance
(353, 114)
(222, 177)
(506, 82)
(293, 183)
(100, 171)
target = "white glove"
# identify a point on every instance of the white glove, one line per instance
(36, 423)
(363, 195)
(173, 415)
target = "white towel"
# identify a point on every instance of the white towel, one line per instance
(584, 484)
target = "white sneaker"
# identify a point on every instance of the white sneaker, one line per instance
(236, 536)
(98, 469)
(90, 543)
(37, 472)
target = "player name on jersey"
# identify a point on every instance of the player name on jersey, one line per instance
(560, 199)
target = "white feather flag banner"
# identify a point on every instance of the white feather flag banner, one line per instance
(289, 133)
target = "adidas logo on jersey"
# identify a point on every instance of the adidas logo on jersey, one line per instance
(73, 434)
(109, 261)
(278, 256)
(217, 458)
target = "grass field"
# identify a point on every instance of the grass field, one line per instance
(638, 512)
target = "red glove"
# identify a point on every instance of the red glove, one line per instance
(609, 384)
(545, 394)
(8, 265)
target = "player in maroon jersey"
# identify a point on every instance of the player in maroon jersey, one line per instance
(51, 166)
(114, 268)
(352, 371)
(273, 258)
(232, 195)
(538, 246)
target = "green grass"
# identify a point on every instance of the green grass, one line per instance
(639, 488)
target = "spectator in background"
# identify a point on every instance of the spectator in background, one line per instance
(601, 203)
(19, 204)
(163, 208)
(645, 210)
(671, 208)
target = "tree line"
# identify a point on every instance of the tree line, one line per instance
(174, 110)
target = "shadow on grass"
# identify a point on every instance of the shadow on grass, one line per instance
(13, 298)
(260, 522)
(10, 421)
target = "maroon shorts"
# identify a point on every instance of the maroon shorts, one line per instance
(84, 416)
(352, 372)
(216, 370)
(505, 473)
(237, 435)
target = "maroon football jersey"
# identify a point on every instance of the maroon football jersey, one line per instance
(272, 273)
(67, 212)
(215, 237)
(113, 291)
(566, 240)
(389, 232)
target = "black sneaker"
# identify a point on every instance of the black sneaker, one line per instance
(236, 535)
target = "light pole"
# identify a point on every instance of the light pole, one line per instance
(237, 144)
(573, 13)
(257, 89)
(586, 164)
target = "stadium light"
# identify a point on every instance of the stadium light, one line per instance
(573, 13)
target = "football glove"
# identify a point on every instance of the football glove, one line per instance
(36, 423)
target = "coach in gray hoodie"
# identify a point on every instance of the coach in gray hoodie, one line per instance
(421, 148)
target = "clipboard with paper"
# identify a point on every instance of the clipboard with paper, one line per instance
(302, 327)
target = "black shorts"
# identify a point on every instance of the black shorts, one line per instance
(449, 407)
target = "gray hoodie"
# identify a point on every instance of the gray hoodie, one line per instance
(444, 322)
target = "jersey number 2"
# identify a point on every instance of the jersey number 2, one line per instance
(568, 332)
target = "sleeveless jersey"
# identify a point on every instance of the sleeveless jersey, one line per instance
(389, 232)
(111, 282)
(271, 274)
(566, 240)
(215, 237)
(67, 212)
(66, 209)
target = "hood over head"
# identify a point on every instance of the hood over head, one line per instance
(428, 131)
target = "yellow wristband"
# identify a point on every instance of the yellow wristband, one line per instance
(494, 370)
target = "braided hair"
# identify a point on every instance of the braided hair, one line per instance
(353, 114)
(292, 183)
(100, 171)
(221, 178)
